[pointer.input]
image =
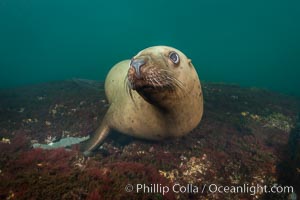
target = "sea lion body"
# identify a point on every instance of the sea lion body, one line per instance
(151, 108)
(133, 117)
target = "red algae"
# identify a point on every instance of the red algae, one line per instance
(45, 160)
(32, 168)
(94, 195)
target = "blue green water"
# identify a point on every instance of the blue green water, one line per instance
(251, 43)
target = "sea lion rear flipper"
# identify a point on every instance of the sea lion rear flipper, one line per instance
(96, 140)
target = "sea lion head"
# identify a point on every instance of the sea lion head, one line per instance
(160, 74)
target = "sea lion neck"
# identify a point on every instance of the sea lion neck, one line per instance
(162, 99)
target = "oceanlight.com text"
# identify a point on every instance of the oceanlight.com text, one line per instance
(208, 188)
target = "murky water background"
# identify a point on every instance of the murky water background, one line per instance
(252, 43)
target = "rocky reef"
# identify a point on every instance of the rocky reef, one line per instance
(248, 136)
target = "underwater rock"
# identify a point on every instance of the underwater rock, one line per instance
(221, 150)
(289, 168)
(294, 150)
(5, 140)
(280, 121)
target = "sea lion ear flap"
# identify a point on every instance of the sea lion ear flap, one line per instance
(190, 62)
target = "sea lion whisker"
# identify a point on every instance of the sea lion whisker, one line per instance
(157, 82)
(151, 81)
(166, 82)
(128, 88)
(177, 84)
(126, 84)
(169, 75)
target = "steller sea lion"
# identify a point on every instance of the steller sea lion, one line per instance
(155, 95)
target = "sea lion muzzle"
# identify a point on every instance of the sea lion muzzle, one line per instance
(137, 64)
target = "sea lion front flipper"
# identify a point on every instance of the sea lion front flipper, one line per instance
(96, 140)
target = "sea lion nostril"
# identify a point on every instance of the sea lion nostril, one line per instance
(137, 64)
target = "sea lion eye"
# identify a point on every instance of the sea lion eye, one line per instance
(174, 57)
